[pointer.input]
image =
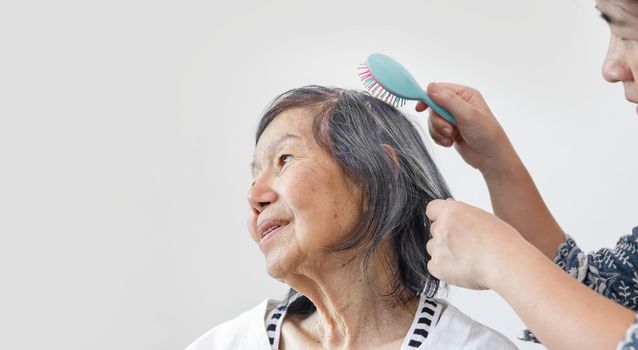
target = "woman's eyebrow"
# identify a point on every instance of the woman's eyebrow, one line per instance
(612, 21)
(270, 149)
(281, 140)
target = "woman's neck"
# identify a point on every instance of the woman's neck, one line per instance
(354, 309)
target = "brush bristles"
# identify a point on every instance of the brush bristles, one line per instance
(376, 90)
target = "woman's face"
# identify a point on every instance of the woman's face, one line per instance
(301, 202)
(621, 62)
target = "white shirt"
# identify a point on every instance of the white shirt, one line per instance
(454, 330)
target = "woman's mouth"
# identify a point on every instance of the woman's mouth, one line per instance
(270, 227)
(270, 233)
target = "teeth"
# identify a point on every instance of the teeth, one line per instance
(272, 229)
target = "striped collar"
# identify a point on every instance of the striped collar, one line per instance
(425, 319)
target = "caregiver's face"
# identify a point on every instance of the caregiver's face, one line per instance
(301, 202)
(621, 62)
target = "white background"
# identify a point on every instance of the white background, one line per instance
(126, 130)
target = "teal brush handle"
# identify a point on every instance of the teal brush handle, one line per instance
(438, 109)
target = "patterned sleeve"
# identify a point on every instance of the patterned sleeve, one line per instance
(610, 272)
(630, 342)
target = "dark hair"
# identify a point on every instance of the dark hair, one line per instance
(380, 149)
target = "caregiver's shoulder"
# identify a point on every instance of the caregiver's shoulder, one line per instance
(458, 331)
(247, 331)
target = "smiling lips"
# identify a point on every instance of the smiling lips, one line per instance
(267, 227)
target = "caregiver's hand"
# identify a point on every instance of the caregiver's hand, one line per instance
(473, 249)
(469, 245)
(483, 144)
(477, 136)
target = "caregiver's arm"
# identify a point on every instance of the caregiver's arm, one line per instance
(474, 249)
(483, 144)
(560, 311)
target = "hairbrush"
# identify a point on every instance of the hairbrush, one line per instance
(389, 81)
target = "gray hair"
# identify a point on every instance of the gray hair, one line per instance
(380, 149)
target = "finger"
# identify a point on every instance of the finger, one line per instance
(420, 106)
(430, 247)
(437, 134)
(434, 228)
(440, 126)
(454, 103)
(434, 208)
(443, 141)
(433, 268)
(467, 93)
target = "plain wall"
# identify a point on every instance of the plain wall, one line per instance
(126, 133)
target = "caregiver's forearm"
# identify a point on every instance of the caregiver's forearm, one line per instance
(516, 200)
(561, 312)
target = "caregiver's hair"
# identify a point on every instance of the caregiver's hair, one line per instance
(380, 149)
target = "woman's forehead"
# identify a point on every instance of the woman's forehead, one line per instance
(296, 121)
(292, 126)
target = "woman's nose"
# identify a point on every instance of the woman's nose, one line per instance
(615, 67)
(261, 195)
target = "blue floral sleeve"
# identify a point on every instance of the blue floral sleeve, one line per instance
(630, 342)
(610, 272)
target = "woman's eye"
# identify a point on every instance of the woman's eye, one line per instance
(284, 159)
(628, 41)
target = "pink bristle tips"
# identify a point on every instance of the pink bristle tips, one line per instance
(376, 90)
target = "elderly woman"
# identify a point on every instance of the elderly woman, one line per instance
(340, 185)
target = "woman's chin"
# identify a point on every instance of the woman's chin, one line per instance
(282, 257)
(274, 271)
(278, 267)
